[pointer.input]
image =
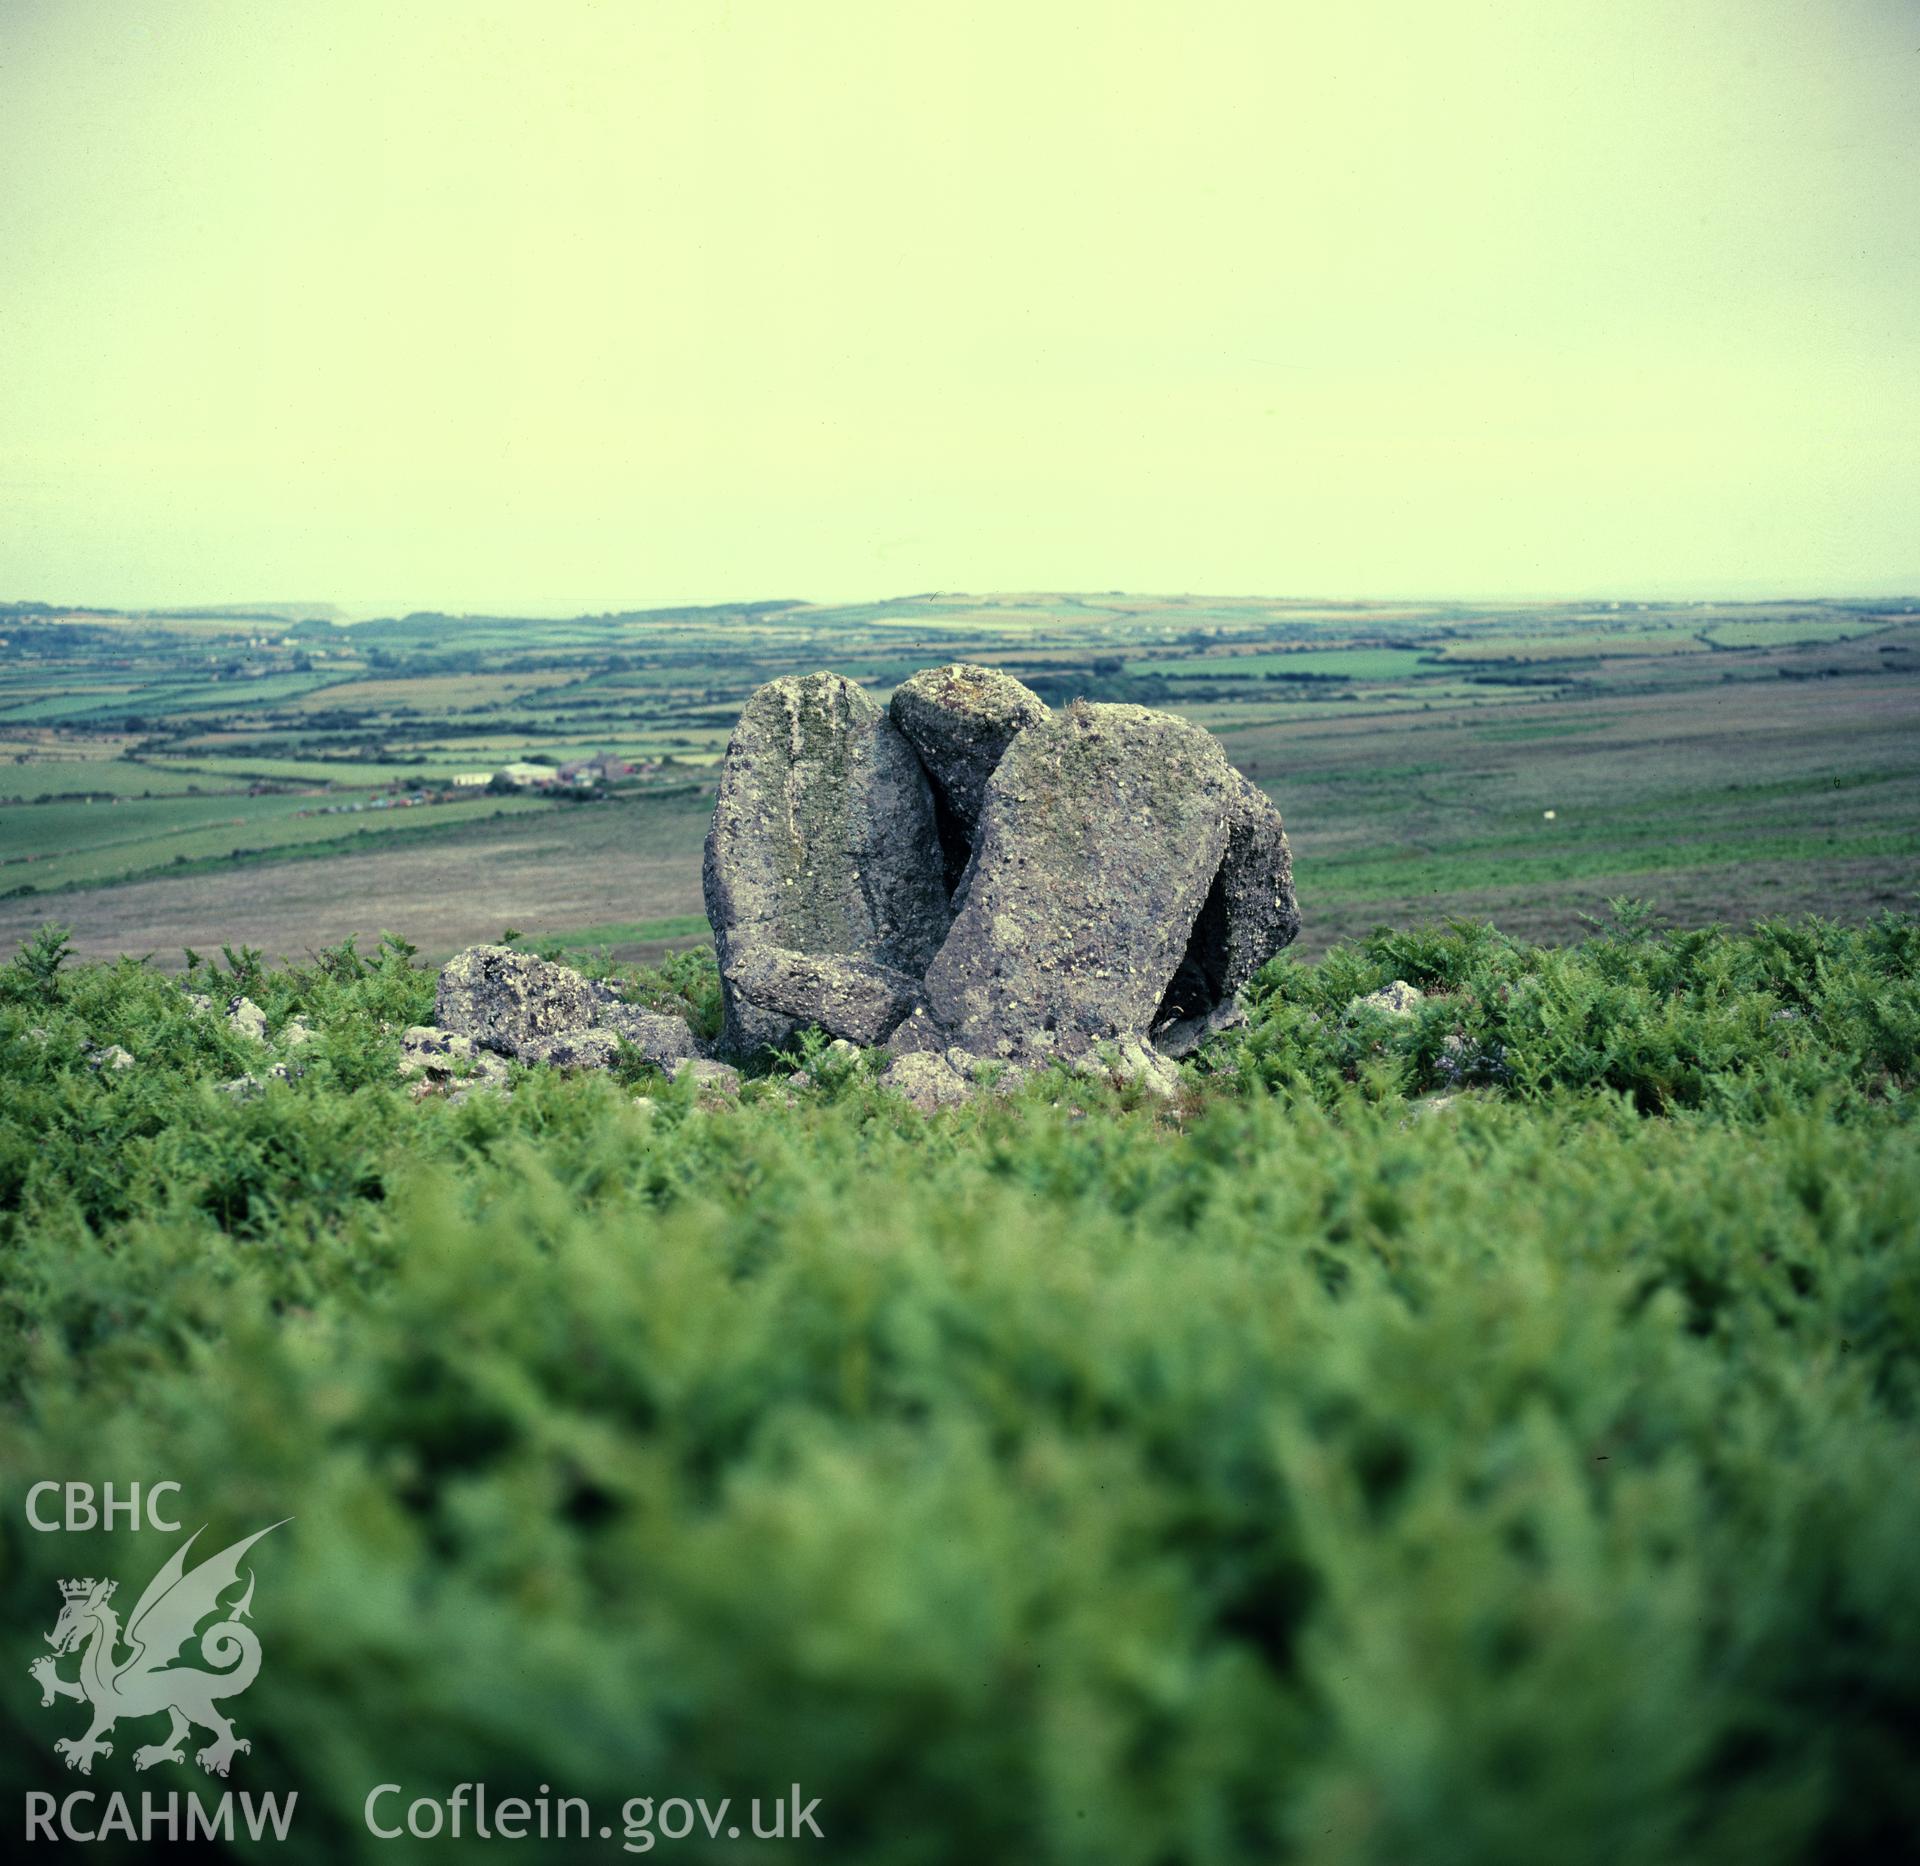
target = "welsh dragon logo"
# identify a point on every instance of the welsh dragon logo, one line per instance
(145, 1681)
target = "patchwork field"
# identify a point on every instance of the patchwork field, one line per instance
(174, 782)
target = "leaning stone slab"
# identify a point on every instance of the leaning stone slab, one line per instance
(503, 999)
(823, 843)
(1250, 914)
(960, 719)
(1102, 830)
(852, 999)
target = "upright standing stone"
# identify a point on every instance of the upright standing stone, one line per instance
(823, 844)
(1099, 836)
(960, 719)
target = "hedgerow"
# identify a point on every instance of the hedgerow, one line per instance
(1480, 1434)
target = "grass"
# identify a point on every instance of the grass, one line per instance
(1355, 663)
(80, 845)
(1304, 1471)
(100, 777)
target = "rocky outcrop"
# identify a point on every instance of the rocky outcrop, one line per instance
(1101, 833)
(503, 999)
(823, 844)
(514, 1004)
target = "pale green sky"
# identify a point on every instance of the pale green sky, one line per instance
(558, 305)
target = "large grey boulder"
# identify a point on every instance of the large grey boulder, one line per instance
(960, 719)
(504, 999)
(1250, 914)
(1100, 835)
(823, 844)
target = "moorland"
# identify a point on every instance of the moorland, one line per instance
(1478, 1433)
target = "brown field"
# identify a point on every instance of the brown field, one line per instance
(1723, 804)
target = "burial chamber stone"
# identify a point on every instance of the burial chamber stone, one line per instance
(823, 847)
(1249, 914)
(960, 719)
(1100, 834)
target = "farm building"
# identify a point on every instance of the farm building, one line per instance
(601, 768)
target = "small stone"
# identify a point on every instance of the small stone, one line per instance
(659, 1036)
(111, 1056)
(503, 999)
(720, 1078)
(573, 1049)
(1398, 999)
(246, 1019)
(927, 1080)
(1132, 1061)
(1181, 1039)
(442, 1055)
(295, 1032)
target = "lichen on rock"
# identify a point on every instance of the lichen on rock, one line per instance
(822, 844)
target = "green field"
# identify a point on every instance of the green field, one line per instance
(1651, 732)
(71, 845)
